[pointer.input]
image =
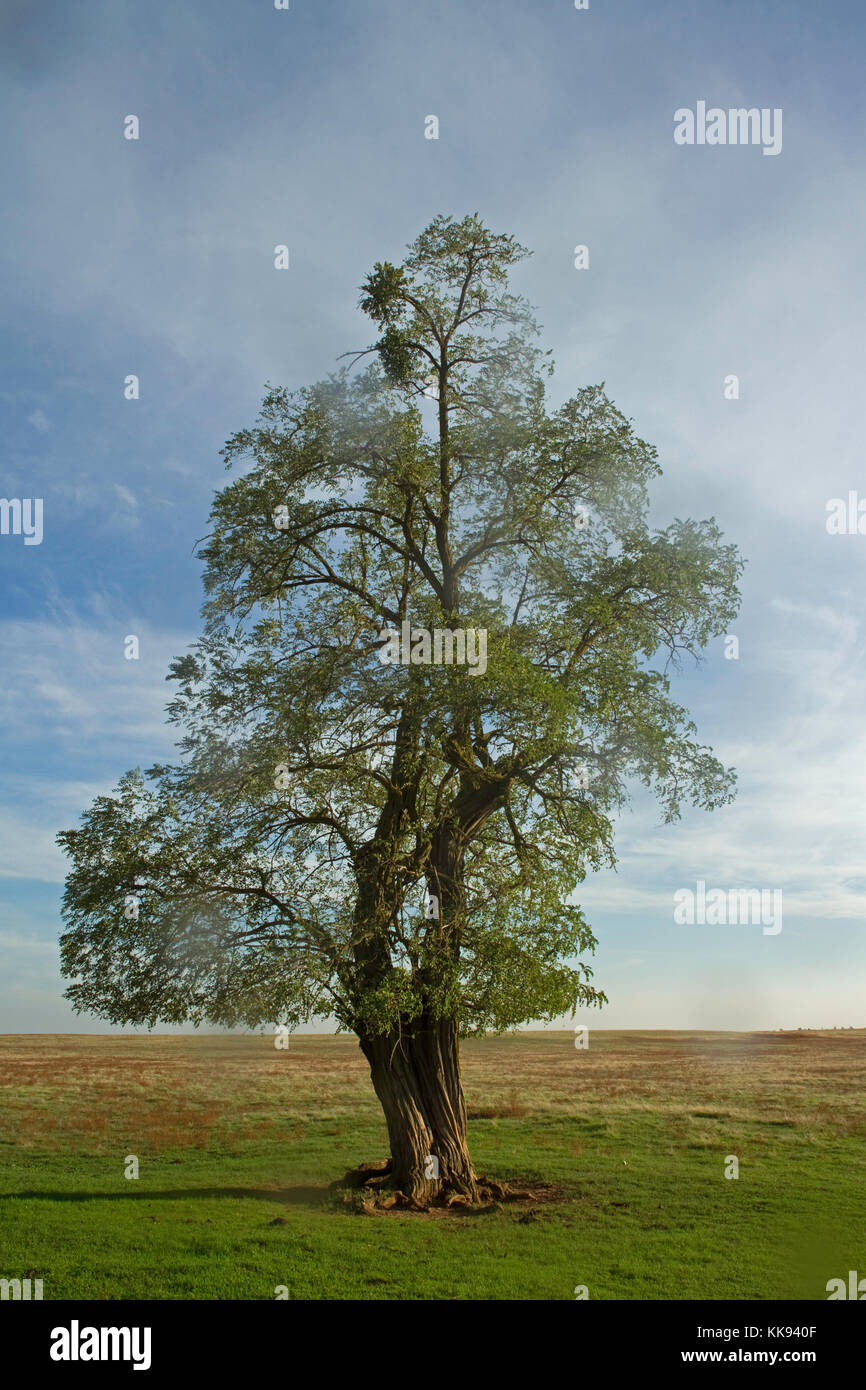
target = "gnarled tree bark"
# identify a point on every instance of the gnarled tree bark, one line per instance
(416, 1076)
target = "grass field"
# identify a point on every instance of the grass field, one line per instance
(238, 1143)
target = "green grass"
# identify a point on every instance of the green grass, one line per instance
(237, 1146)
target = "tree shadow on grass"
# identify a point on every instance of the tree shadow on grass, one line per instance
(285, 1196)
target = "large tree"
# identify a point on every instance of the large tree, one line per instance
(399, 845)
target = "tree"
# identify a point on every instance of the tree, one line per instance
(398, 845)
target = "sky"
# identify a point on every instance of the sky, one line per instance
(306, 127)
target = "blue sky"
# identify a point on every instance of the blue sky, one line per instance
(306, 127)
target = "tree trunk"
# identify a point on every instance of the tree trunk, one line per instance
(416, 1076)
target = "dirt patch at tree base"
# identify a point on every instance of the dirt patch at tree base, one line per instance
(369, 1191)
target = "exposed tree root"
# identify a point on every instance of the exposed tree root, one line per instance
(371, 1189)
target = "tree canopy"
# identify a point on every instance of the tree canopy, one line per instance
(384, 842)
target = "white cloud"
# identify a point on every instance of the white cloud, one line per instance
(68, 683)
(28, 851)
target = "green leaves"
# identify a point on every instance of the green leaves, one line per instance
(383, 294)
(399, 361)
